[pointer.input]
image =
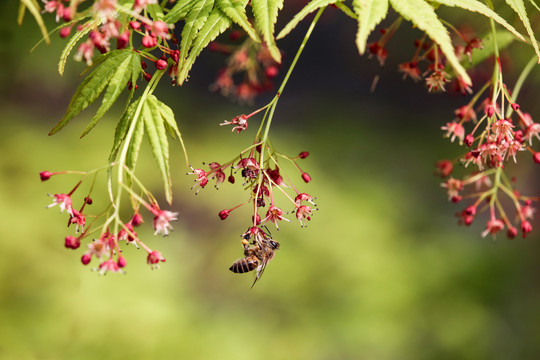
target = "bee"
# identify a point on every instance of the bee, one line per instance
(255, 257)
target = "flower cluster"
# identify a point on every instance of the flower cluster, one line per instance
(249, 70)
(427, 52)
(499, 132)
(262, 176)
(105, 245)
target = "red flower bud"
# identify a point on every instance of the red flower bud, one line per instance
(511, 233)
(45, 175)
(306, 177)
(161, 64)
(536, 157)
(85, 259)
(137, 219)
(72, 242)
(121, 261)
(303, 155)
(231, 179)
(223, 214)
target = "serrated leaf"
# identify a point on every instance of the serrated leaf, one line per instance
(117, 84)
(71, 44)
(168, 115)
(534, 4)
(195, 20)
(370, 14)
(93, 86)
(179, 11)
(35, 10)
(346, 10)
(477, 6)
(216, 24)
(134, 147)
(265, 13)
(423, 16)
(157, 137)
(122, 128)
(236, 11)
(308, 9)
(519, 8)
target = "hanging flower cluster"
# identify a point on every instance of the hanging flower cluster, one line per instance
(105, 234)
(494, 130)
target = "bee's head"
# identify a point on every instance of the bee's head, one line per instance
(273, 244)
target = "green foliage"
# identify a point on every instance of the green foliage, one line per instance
(155, 119)
(179, 11)
(476, 6)
(370, 14)
(214, 24)
(112, 71)
(519, 8)
(266, 12)
(35, 10)
(71, 44)
(308, 9)
(235, 10)
(154, 126)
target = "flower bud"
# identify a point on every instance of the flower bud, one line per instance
(306, 177)
(85, 259)
(536, 157)
(511, 233)
(515, 106)
(88, 200)
(231, 179)
(45, 175)
(161, 64)
(135, 25)
(303, 155)
(223, 214)
(71, 242)
(526, 227)
(121, 261)
(137, 219)
(469, 140)
(64, 32)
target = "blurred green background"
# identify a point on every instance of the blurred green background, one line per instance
(381, 272)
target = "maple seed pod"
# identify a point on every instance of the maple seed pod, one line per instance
(45, 175)
(223, 214)
(161, 64)
(303, 155)
(85, 259)
(306, 177)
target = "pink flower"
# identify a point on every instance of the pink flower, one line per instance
(453, 186)
(411, 70)
(202, 179)
(86, 52)
(436, 80)
(274, 214)
(154, 258)
(105, 9)
(161, 29)
(303, 213)
(162, 221)
(493, 226)
(453, 130)
(239, 121)
(63, 201)
(216, 173)
(141, 4)
(109, 266)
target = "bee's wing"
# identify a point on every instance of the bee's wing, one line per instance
(262, 266)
